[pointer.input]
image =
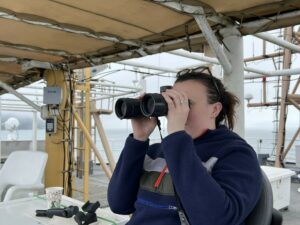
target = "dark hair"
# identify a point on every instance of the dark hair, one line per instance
(216, 92)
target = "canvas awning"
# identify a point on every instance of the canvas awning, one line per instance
(90, 32)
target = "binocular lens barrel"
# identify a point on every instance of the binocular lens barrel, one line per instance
(154, 105)
(127, 108)
(151, 105)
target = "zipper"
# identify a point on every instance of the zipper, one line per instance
(154, 205)
(160, 177)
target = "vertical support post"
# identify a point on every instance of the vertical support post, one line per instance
(288, 32)
(234, 81)
(87, 121)
(0, 130)
(55, 144)
(34, 131)
(264, 80)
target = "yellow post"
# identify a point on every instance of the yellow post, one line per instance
(55, 145)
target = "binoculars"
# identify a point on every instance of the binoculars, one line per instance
(86, 217)
(151, 105)
(67, 212)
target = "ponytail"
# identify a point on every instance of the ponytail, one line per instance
(227, 114)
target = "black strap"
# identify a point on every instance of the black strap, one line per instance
(159, 127)
(181, 213)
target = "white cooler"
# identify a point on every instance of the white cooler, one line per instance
(280, 180)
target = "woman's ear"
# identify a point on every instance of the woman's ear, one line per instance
(217, 107)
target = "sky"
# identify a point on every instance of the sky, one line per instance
(255, 118)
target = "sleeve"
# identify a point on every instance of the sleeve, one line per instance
(227, 195)
(124, 184)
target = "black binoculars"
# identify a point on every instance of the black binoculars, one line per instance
(151, 105)
(82, 218)
(62, 212)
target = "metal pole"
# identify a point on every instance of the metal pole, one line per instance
(265, 56)
(234, 81)
(87, 147)
(17, 94)
(264, 80)
(288, 32)
(267, 104)
(296, 86)
(147, 66)
(275, 73)
(294, 103)
(34, 131)
(183, 53)
(278, 41)
(0, 131)
(260, 73)
(213, 41)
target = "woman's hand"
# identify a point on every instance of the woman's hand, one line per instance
(143, 127)
(178, 110)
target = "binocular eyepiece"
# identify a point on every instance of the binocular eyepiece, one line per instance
(151, 105)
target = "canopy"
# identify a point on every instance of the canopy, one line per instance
(90, 32)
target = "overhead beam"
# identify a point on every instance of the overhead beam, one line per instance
(275, 73)
(183, 53)
(267, 23)
(147, 66)
(266, 104)
(261, 57)
(38, 50)
(259, 73)
(9, 59)
(278, 41)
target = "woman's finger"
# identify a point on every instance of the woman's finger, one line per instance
(178, 98)
(169, 101)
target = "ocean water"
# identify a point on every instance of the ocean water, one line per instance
(262, 141)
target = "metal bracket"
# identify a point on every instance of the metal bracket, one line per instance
(199, 15)
(36, 64)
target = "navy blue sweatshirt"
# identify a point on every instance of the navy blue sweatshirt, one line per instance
(216, 176)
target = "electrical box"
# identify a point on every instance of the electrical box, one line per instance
(52, 95)
(51, 125)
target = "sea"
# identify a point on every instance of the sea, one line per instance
(262, 141)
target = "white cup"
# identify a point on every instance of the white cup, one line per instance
(53, 196)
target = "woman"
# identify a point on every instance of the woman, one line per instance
(201, 168)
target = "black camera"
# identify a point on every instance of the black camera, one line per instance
(151, 105)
